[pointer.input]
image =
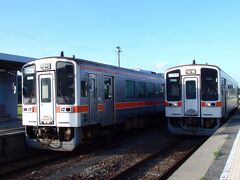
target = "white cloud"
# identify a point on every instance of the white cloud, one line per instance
(161, 66)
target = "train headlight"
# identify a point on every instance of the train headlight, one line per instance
(175, 104)
(66, 109)
(208, 104)
(213, 104)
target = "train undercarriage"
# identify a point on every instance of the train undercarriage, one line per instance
(193, 125)
(69, 138)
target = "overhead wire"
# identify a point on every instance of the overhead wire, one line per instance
(48, 41)
(185, 41)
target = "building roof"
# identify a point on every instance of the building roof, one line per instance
(11, 62)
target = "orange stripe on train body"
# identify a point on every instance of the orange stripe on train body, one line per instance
(34, 109)
(100, 107)
(136, 104)
(122, 105)
(81, 108)
(57, 109)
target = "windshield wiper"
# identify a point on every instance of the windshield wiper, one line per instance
(31, 97)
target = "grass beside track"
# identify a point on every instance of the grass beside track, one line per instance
(19, 110)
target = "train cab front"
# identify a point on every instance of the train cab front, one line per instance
(193, 105)
(49, 84)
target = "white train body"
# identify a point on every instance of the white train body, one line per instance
(66, 100)
(198, 98)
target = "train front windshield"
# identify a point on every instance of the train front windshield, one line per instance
(65, 83)
(209, 83)
(173, 86)
(29, 85)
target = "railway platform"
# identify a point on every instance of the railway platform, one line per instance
(217, 158)
(12, 123)
(12, 139)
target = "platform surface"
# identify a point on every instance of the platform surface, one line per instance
(210, 160)
(12, 123)
(12, 126)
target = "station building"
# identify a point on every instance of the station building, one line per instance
(10, 65)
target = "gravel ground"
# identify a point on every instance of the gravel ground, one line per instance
(98, 160)
(115, 164)
(157, 167)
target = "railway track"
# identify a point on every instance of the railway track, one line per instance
(134, 159)
(33, 159)
(7, 132)
(154, 166)
(125, 173)
(143, 162)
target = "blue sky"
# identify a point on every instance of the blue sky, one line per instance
(153, 34)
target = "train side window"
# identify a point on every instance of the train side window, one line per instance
(223, 83)
(108, 88)
(151, 90)
(142, 90)
(130, 89)
(162, 88)
(157, 91)
(93, 87)
(84, 89)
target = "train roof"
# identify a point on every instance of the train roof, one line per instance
(106, 65)
(204, 65)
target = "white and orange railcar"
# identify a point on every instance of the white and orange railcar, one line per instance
(68, 101)
(198, 98)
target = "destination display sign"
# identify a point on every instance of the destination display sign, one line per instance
(171, 75)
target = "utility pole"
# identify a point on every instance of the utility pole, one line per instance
(118, 52)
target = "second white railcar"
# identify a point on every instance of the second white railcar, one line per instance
(198, 98)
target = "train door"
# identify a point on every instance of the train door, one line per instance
(191, 96)
(108, 102)
(93, 110)
(46, 104)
